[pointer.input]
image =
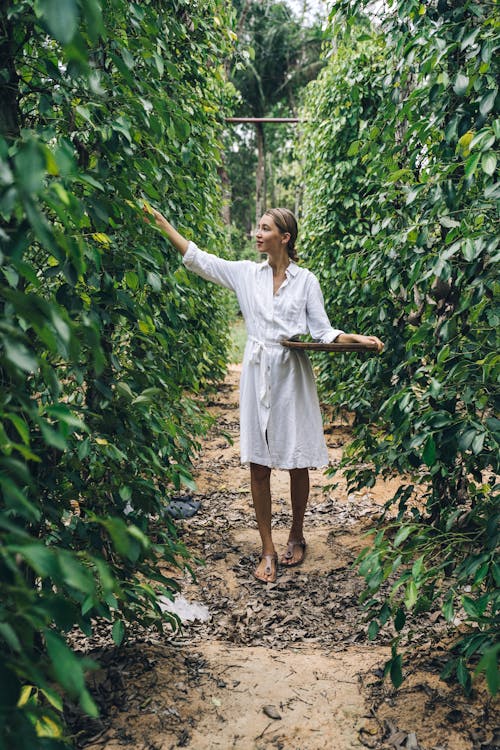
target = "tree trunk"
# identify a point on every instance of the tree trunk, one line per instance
(260, 176)
(271, 181)
(9, 82)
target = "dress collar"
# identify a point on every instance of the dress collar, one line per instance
(291, 270)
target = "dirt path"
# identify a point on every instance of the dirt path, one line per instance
(285, 666)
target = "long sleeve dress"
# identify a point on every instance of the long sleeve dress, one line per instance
(280, 419)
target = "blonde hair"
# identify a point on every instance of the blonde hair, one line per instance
(286, 222)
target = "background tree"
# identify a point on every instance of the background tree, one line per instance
(279, 54)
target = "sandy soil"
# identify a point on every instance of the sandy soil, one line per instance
(288, 665)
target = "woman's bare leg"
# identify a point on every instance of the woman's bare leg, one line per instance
(299, 494)
(260, 483)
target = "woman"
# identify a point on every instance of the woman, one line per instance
(280, 419)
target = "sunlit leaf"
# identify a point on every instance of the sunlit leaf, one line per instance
(487, 102)
(489, 162)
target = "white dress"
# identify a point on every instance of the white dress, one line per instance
(280, 419)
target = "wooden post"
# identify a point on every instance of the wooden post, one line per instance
(263, 120)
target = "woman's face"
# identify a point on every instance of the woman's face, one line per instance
(268, 238)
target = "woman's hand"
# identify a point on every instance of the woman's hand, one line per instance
(357, 338)
(373, 340)
(177, 240)
(159, 220)
(151, 214)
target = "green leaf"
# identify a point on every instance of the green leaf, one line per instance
(492, 191)
(66, 666)
(93, 15)
(470, 607)
(41, 558)
(119, 533)
(53, 437)
(447, 221)
(489, 665)
(470, 38)
(413, 193)
(471, 249)
(495, 569)
(128, 58)
(118, 631)
(481, 573)
(20, 356)
(61, 16)
(42, 229)
(182, 128)
(353, 148)
(411, 595)
(64, 414)
(74, 573)
(385, 614)
(9, 635)
(429, 453)
(123, 389)
(403, 533)
(30, 166)
(53, 698)
(154, 280)
(21, 427)
(489, 162)
(487, 102)
(395, 671)
(471, 164)
(373, 630)
(160, 66)
(16, 499)
(463, 675)
(400, 619)
(87, 704)
(478, 443)
(417, 567)
(132, 280)
(461, 84)
(465, 440)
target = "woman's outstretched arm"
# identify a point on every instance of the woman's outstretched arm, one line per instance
(178, 241)
(208, 266)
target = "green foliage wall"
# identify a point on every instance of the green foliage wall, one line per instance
(402, 227)
(104, 339)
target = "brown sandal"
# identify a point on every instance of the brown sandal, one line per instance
(268, 571)
(290, 551)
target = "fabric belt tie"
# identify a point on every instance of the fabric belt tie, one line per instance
(259, 355)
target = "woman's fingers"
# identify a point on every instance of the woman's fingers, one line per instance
(378, 342)
(374, 340)
(149, 211)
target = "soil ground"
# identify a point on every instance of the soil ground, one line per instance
(284, 666)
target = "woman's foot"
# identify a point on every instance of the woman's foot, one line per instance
(267, 570)
(295, 553)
